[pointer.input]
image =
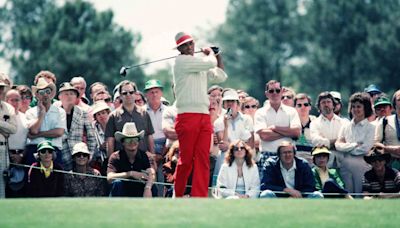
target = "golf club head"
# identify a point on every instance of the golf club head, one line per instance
(122, 72)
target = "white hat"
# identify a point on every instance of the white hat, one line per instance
(100, 106)
(80, 147)
(230, 95)
(4, 80)
(182, 38)
(336, 95)
(128, 131)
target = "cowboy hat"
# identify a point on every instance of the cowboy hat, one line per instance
(128, 131)
(43, 84)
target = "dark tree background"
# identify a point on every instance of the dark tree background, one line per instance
(70, 40)
(312, 46)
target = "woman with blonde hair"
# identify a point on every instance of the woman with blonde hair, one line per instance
(238, 176)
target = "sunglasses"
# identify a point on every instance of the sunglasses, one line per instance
(125, 93)
(300, 105)
(236, 148)
(26, 97)
(107, 100)
(81, 155)
(131, 140)
(274, 90)
(287, 97)
(250, 106)
(46, 151)
(44, 91)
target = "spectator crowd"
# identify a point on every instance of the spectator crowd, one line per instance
(55, 141)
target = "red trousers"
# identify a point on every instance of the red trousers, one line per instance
(194, 134)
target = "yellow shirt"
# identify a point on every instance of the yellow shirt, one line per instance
(46, 171)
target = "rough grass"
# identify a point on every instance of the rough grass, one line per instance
(126, 212)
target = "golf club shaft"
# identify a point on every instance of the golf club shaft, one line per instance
(158, 60)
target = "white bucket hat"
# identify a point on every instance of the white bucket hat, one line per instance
(80, 147)
(128, 131)
(230, 95)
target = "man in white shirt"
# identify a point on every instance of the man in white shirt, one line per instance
(324, 130)
(275, 123)
(193, 124)
(155, 108)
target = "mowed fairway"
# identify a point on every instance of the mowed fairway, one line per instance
(123, 212)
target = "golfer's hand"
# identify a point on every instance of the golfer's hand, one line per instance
(207, 50)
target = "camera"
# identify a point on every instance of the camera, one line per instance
(6, 117)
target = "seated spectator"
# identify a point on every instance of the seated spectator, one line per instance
(238, 176)
(326, 180)
(79, 185)
(289, 174)
(381, 178)
(130, 163)
(43, 181)
(16, 185)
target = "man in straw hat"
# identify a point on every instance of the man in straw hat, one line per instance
(8, 125)
(193, 124)
(45, 121)
(130, 163)
(381, 178)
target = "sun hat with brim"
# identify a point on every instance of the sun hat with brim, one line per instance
(43, 84)
(100, 106)
(80, 147)
(45, 145)
(153, 83)
(182, 38)
(128, 131)
(66, 86)
(375, 154)
(320, 150)
(382, 101)
(336, 95)
(372, 89)
(230, 95)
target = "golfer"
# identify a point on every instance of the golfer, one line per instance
(193, 124)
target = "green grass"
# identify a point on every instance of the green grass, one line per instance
(126, 212)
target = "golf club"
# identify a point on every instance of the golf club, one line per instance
(124, 69)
